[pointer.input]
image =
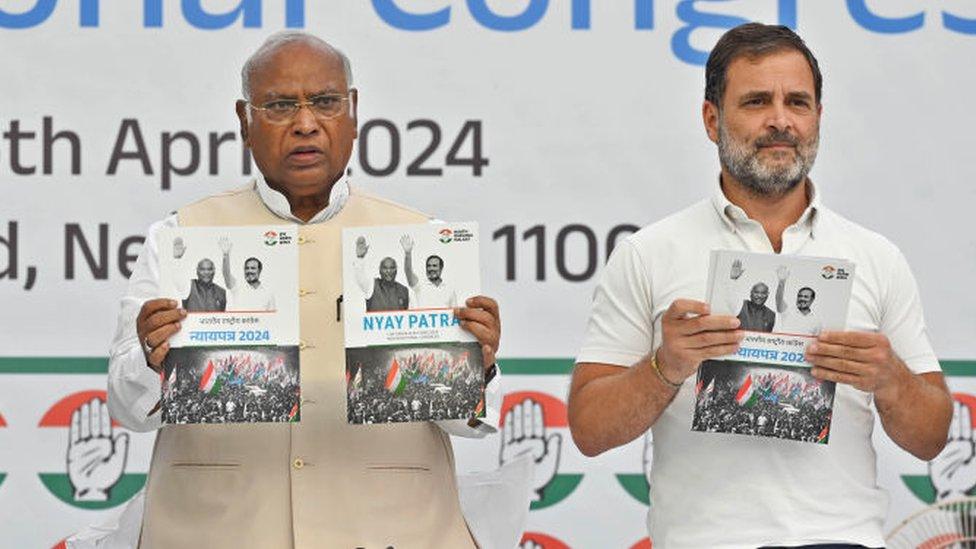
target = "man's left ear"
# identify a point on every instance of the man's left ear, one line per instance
(354, 110)
(710, 120)
(241, 108)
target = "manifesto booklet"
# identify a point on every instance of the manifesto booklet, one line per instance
(235, 358)
(782, 302)
(407, 357)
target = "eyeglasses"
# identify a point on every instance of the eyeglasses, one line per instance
(324, 107)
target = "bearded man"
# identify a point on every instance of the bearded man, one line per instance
(650, 330)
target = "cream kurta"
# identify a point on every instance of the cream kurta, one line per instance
(321, 482)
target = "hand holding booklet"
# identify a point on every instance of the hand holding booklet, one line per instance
(782, 303)
(407, 357)
(235, 358)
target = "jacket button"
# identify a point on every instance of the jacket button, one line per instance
(298, 463)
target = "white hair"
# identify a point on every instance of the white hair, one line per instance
(284, 38)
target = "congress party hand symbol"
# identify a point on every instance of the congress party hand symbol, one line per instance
(406, 242)
(525, 432)
(736, 270)
(96, 461)
(361, 247)
(225, 245)
(953, 471)
(179, 247)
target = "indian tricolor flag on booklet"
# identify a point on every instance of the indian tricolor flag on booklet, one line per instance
(824, 435)
(210, 382)
(747, 394)
(395, 380)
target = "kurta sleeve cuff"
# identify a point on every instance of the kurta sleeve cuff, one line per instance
(486, 425)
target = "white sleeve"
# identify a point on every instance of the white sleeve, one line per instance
(488, 424)
(733, 296)
(359, 268)
(133, 387)
(620, 330)
(181, 284)
(902, 320)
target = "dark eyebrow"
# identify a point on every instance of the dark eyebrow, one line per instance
(756, 95)
(327, 91)
(800, 95)
(274, 96)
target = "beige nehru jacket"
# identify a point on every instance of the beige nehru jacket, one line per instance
(320, 483)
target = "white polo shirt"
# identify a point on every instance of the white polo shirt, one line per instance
(725, 490)
(244, 297)
(792, 321)
(430, 295)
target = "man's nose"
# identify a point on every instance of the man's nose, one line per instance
(779, 117)
(305, 122)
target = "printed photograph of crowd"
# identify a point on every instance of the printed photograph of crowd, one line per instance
(417, 383)
(255, 385)
(762, 400)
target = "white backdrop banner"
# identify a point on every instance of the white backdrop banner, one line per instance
(559, 126)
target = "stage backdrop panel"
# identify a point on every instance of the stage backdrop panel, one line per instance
(560, 127)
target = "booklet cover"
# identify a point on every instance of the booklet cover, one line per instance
(407, 357)
(235, 358)
(783, 302)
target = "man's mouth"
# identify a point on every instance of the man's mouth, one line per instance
(305, 155)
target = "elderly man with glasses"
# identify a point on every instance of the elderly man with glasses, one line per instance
(321, 482)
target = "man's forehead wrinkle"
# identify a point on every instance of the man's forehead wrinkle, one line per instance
(276, 94)
(294, 61)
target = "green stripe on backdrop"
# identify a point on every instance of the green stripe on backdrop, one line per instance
(959, 367)
(53, 365)
(536, 366)
(510, 366)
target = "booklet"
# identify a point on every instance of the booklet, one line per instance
(407, 357)
(783, 302)
(235, 358)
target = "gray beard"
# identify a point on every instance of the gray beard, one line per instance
(742, 162)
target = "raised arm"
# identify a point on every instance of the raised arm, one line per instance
(225, 246)
(407, 243)
(782, 273)
(733, 289)
(180, 283)
(359, 269)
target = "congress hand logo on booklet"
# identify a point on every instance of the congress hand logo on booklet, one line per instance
(407, 357)
(782, 302)
(235, 358)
